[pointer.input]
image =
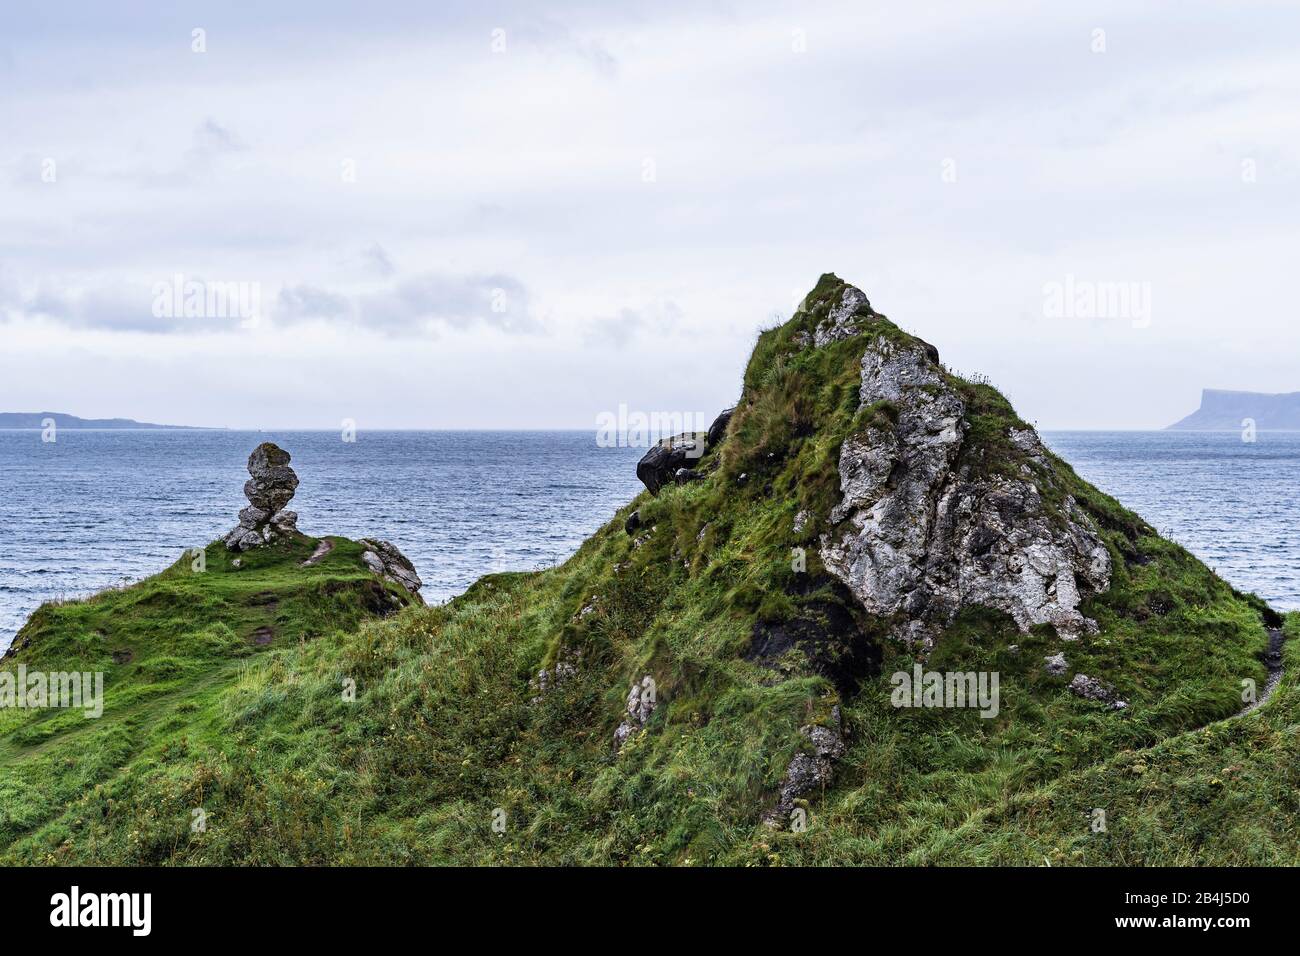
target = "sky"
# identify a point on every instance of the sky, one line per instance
(495, 215)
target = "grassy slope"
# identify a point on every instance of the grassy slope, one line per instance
(173, 649)
(444, 731)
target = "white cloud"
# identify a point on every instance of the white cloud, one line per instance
(524, 171)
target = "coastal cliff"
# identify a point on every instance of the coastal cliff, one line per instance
(1223, 410)
(737, 668)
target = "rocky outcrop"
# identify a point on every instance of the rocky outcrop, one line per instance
(809, 770)
(271, 486)
(1090, 688)
(549, 678)
(918, 535)
(841, 321)
(675, 459)
(718, 430)
(1055, 665)
(660, 464)
(385, 560)
(641, 703)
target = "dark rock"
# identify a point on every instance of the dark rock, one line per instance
(273, 482)
(633, 522)
(270, 488)
(718, 430)
(825, 631)
(683, 475)
(657, 467)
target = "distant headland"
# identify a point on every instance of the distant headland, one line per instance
(61, 420)
(1223, 410)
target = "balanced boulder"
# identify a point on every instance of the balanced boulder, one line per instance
(270, 488)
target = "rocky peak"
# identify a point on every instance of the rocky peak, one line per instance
(919, 535)
(269, 489)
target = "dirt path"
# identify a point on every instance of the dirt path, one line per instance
(322, 549)
(1273, 661)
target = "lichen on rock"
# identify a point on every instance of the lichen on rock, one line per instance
(920, 536)
(385, 560)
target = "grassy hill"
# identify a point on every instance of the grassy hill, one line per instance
(483, 731)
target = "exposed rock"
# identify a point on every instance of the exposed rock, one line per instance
(801, 521)
(658, 466)
(270, 488)
(385, 560)
(823, 630)
(718, 430)
(922, 537)
(565, 667)
(841, 321)
(273, 482)
(641, 703)
(1092, 689)
(633, 522)
(810, 769)
(1056, 664)
(672, 458)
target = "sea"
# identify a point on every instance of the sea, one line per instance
(99, 508)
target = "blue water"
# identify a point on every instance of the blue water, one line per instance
(1234, 504)
(98, 508)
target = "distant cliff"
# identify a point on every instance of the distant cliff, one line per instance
(1223, 410)
(37, 420)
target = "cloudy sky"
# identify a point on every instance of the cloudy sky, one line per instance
(461, 215)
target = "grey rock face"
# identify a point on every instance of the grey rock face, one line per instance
(641, 703)
(1055, 665)
(810, 769)
(270, 488)
(273, 482)
(839, 323)
(384, 559)
(1090, 688)
(916, 535)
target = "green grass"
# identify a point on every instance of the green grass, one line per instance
(447, 734)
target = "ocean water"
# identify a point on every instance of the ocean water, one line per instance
(1234, 504)
(98, 508)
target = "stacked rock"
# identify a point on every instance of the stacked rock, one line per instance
(270, 488)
